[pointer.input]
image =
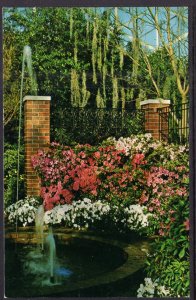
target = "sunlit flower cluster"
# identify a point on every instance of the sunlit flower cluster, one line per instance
(152, 289)
(81, 214)
(145, 144)
(85, 213)
(23, 211)
(78, 214)
(136, 216)
(134, 144)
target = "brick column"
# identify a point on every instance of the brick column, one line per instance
(152, 122)
(36, 136)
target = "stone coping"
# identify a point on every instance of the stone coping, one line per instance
(155, 101)
(37, 98)
(135, 253)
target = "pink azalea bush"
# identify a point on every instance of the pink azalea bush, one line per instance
(68, 174)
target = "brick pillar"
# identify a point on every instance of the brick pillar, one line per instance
(152, 122)
(36, 136)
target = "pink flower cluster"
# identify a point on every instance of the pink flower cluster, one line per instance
(163, 190)
(138, 160)
(67, 173)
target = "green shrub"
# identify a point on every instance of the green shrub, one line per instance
(10, 174)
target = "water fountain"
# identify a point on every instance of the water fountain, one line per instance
(48, 246)
(27, 57)
(39, 226)
(50, 242)
(45, 248)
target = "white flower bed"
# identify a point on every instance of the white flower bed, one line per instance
(136, 217)
(151, 289)
(84, 213)
(22, 211)
(80, 214)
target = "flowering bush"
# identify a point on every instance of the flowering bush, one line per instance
(152, 289)
(88, 214)
(82, 214)
(144, 182)
(79, 214)
(170, 257)
(68, 174)
(165, 188)
(23, 211)
(131, 171)
(161, 196)
(136, 217)
(103, 172)
(156, 152)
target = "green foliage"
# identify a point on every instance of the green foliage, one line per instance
(10, 174)
(170, 257)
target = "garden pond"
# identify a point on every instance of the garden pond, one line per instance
(86, 265)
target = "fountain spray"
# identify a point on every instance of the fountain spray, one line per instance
(27, 56)
(39, 225)
(52, 253)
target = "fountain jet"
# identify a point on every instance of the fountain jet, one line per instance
(39, 225)
(52, 253)
(27, 56)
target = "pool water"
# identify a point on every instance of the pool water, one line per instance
(27, 269)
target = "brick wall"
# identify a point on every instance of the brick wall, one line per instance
(151, 108)
(36, 136)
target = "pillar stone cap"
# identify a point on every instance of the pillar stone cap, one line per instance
(37, 98)
(155, 101)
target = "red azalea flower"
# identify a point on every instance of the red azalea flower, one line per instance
(187, 224)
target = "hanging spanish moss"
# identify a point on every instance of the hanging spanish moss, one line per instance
(71, 23)
(135, 45)
(104, 67)
(87, 33)
(99, 100)
(105, 47)
(135, 61)
(130, 94)
(85, 93)
(115, 92)
(122, 92)
(94, 51)
(121, 56)
(116, 17)
(75, 47)
(104, 70)
(112, 63)
(75, 89)
(99, 54)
